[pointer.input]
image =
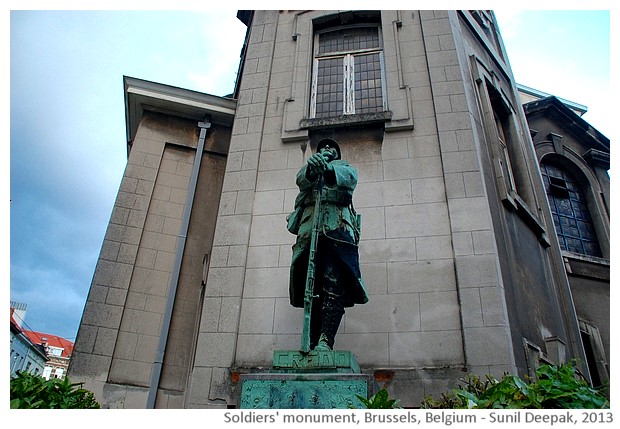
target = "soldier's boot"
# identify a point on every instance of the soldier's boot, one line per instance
(333, 310)
(323, 344)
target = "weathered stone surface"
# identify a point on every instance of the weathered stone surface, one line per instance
(310, 391)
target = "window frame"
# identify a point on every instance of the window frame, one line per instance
(509, 162)
(348, 59)
(504, 148)
(47, 372)
(498, 118)
(556, 192)
(600, 365)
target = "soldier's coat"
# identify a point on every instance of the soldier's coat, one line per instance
(338, 224)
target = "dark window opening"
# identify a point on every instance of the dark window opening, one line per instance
(589, 349)
(558, 187)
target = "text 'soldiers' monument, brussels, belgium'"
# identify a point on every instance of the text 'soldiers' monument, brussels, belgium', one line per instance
(377, 203)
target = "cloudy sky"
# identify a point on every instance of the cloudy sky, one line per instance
(67, 134)
(67, 124)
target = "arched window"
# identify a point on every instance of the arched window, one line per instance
(571, 217)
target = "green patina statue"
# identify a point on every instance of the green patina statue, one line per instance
(325, 275)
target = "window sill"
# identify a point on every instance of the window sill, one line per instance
(586, 266)
(585, 258)
(345, 120)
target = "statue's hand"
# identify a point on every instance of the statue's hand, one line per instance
(317, 163)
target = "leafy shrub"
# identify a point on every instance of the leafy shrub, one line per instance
(32, 391)
(555, 387)
(379, 400)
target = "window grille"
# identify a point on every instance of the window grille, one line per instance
(569, 209)
(348, 72)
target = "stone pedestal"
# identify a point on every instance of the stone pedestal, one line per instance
(318, 379)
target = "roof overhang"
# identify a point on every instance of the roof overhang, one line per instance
(141, 95)
(580, 109)
(556, 110)
(245, 16)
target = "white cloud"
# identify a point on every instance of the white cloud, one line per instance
(509, 22)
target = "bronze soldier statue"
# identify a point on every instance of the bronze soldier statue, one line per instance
(325, 275)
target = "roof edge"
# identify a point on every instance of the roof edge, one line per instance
(141, 95)
(553, 106)
(540, 94)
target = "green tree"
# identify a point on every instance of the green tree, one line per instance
(32, 391)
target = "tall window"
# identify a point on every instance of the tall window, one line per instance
(348, 72)
(47, 371)
(571, 217)
(504, 158)
(59, 372)
(505, 144)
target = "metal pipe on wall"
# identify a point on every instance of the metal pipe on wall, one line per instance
(176, 268)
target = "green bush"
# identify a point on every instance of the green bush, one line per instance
(555, 387)
(32, 391)
(379, 400)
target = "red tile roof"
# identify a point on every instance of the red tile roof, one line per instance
(51, 340)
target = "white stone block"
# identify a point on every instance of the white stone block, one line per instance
(421, 276)
(436, 348)
(257, 316)
(439, 311)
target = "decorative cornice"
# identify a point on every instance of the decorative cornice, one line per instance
(598, 158)
(554, 109)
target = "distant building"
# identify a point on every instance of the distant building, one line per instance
(58, 350)
(39, 353)
(26, 355)
(485, 237)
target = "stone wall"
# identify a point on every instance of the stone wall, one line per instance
(430, 266)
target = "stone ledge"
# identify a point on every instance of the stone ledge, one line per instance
(345, 120)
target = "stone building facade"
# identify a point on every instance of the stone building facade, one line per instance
(458, 250)
(574, 159)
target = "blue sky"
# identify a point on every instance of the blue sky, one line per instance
(564, 53)
(67, 124)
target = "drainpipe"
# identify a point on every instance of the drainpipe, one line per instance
(176, 268)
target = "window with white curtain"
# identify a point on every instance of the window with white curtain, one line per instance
(348, 72)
